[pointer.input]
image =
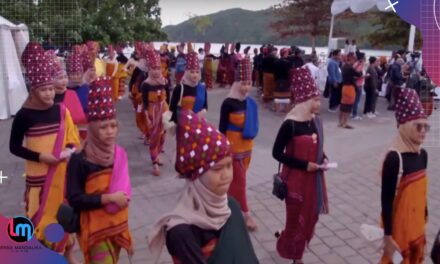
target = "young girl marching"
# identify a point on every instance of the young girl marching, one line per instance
(239, 122)
(206, 226)
(98, 183)
(155, 94)
(191, 93)
(65, 96)
(50, 136)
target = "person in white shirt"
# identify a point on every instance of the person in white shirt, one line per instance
(128, 50)
(201, 57)
(347, 46)
(352, 47)
(311, 65)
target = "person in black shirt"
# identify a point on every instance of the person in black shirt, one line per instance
(349, 75)
(268, 67)
(281, 73)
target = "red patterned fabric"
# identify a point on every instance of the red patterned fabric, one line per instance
(408, 106)
(192, 61)
(243, 73)
(55, 64)
(100, 106)
(89, 55)
(37, 65)
(138, 47)
(301, 201)
(153, 58)
(199, 145)
(302, 85)
(74, 63)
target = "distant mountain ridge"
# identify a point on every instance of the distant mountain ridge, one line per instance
(247, 26)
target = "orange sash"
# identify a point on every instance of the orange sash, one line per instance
(98, 225)
(409, 217)
(348, 94)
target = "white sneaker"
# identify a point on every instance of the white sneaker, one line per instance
(356, 118)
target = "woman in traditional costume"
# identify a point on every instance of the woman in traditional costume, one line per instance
(111, 67)
(239, 122)
(65, 96)
(206, 226)
(207, 66)
(121, 73)
(135, 94)
(155, 94)
(299, 149)
(98, 183)
(191, 93)
(50, 136)
(405, 182)
(222, 69)
(78, 75)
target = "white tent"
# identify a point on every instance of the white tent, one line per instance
(13, 40)
(361, 6)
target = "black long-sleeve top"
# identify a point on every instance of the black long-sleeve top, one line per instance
(296, 61)
(59, 98)
(229, 105)
(146, 88)
(349, 75)
(186, 243)
(138, 77)
(412, 162)
(258, 62)
(187, 91)
(269, 64)
(282, 68)
(371, 81)
(78, 170)
(288, 130)
(23, 121)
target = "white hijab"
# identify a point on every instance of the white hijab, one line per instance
(198, 206)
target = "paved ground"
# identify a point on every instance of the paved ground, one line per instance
(353, 188)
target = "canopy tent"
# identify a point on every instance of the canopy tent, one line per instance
(361, 6)
(13, 92)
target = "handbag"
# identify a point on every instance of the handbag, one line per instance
(279, 185)
(68, 218)
(279, 188)
(435, 253)
(167, 115)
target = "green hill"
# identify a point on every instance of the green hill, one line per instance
(253, 27)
